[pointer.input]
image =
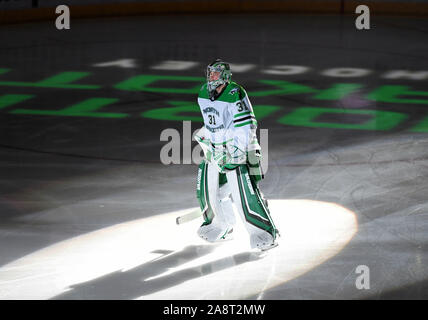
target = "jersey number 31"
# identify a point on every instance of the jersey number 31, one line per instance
(212, 119)
(241, 106)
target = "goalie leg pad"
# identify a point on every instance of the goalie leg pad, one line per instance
(215, 205)
(202, 192)
(252, 208)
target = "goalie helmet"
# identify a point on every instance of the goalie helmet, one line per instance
(218, 73)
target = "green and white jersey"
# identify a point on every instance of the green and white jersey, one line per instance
(229, 119)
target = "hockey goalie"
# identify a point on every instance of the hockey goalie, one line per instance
(230, 171)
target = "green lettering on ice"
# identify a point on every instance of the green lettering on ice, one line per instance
(395, 94)
(282, 87)
(63, 81)
(87, 108)
(175, 113)
(422, 126)
(338, 91)
(306, 117)
(11, 99)
(144, 82)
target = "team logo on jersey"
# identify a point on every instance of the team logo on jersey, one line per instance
(215, 129)
(211, 109)
(234, 90)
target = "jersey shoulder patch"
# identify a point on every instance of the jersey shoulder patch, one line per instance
(235, 92)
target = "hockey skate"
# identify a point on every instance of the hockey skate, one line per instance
(215, 233)
(263, 241)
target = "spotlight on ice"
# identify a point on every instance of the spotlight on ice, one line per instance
(153, 258)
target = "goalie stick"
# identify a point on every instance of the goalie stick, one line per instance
(189, 216)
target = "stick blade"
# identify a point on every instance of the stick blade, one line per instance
(188, 217)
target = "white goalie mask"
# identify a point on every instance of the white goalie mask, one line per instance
(218, 73)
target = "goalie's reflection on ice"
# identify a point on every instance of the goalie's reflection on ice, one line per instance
(124, 285)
